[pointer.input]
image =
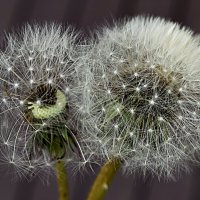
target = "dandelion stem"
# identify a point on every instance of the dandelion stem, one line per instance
(62, 180)
(104, 179)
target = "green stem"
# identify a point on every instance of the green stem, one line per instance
(61, 175)
(104, 179)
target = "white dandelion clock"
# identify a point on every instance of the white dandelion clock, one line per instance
(143, 96)
(38, 94)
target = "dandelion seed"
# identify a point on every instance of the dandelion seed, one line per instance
(180, 117)
(150, 130)
(109, 91)
(179, 102)
(62, 76)
(180, 89)
(124, 86)
(118, 110)
(30, 58)
(145, 85)
(152, 102)
(21, 102)
(160, 119)
(50, 81)
(169, 91)
(152, 66)
(116, 126)
(103, 76)
(136, 74)
(132, 111)
(67, 89)
(137, 89)
(131, 134)
(4, 100)
(9, 69)
(16, 85)
(115, 72)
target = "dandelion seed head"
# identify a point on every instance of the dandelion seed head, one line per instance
(35, 102)
(161, 75)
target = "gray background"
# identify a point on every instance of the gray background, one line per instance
(87, 15)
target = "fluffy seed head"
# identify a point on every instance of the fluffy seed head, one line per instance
(143, 94)
(38, 94)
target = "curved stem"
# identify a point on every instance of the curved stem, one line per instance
(104, 179)
(61, 175)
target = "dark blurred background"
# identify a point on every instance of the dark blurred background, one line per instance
(88, 15)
